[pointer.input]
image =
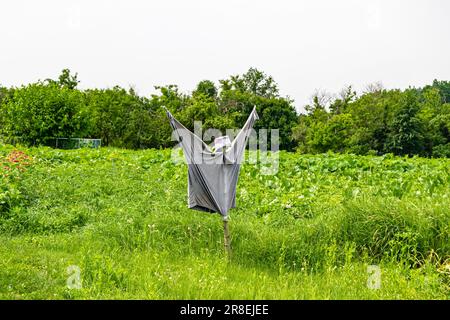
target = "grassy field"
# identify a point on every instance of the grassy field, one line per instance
(309, 232)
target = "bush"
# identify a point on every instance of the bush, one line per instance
(42, 111)
(442, 151)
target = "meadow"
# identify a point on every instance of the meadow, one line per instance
(314, 230)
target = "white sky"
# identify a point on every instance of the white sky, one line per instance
(304, 45)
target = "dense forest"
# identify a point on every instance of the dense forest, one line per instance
(415, 121)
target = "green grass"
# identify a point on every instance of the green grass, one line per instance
(308, 232)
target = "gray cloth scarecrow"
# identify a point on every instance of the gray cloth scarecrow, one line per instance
(212, 174)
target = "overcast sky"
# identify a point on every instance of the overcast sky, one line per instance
(304, 45)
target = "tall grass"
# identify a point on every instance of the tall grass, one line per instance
(310, 231)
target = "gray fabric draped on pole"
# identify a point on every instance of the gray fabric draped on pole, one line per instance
(212, 174)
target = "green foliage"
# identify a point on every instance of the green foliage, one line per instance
(240, 94)
(12, 164)
(405, 131)
(409, 122)
(341, 104)
(332, 135)
(379, 121)
(170, 97)
(443, 87)
(121, 118)
(67, 80)
(3, 94)
(253, 81)
(39, 112)
(206, 88)
(202, 108)
(277, 113)
(309, 231)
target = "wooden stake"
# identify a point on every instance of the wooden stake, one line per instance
(226, 237)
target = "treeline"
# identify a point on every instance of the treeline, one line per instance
(378, 121)
(40, 112)
(409, 122)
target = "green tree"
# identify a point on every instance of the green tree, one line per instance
(39, 112)
(206, 88)
(169, 97)
(435, 118)
(372, 114)
(405, 131)
(346, 96)
(253, 81)
(443, 87)
(65, 79)
(68, 80)
(120, 118)
(333, 135)
(239, 94)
